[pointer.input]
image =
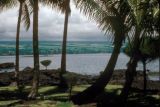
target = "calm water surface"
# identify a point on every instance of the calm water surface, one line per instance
(80, 63)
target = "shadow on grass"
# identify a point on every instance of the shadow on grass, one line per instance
(108, 99)
(53, 91)
(60, 98)
(134, 100)
(55, 94)
(13, 95)
(105, 99)
(139, 100)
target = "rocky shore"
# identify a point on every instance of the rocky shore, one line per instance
(51, 77)
(6, 65)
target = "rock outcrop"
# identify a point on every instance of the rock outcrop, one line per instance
(7, 65)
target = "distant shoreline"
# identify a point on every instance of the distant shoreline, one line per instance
(56, 54)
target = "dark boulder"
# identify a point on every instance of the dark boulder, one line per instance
(27, 69)
(7, 65)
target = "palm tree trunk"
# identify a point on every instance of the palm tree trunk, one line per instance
(17, 47)
(131, 69)
(34, 90)
(70, 92)
(159, 37)
(144, 78)
(159, 69)
(63, 83)
(130, 72)
(90, 93)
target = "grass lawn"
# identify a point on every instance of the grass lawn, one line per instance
(49, 96)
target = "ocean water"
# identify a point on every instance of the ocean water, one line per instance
(79, 63)
(83, 57)
(54, 47)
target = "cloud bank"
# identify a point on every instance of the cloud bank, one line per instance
(51, 25)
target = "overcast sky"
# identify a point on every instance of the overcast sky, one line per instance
(51, 26)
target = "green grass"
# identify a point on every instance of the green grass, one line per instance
(4, 103)
(46, 89)
(43, 103)
(64, 104)
(46, 103)
(156, 96)
(114, 88)
(9, 88)
(50, 96)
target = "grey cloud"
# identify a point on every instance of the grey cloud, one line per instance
(51, 26)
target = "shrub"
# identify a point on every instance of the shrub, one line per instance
(46, 63)
(71, 80)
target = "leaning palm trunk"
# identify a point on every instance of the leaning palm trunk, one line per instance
(98, 87)
(131, 69)
(63, 83)
(34, 90)
(17, 46)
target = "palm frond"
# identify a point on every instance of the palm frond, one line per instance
(112, 16)
(7, 4)
(30, 4)
(93, 10)
(59, 5)
(26, 16)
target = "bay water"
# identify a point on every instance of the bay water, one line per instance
(84, 57)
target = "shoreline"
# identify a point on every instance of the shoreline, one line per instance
(51, 77)
(7, 70)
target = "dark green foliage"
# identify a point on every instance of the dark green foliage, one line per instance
(149, 48)
(148, 51)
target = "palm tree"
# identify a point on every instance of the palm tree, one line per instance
(24, 16)
(64, 7)
(157, 23)
(159, 69)
(63, 83)
(157, 46)
(112, 18)
(148, 53)
(34, 90)
(143, 26)
(35, 5)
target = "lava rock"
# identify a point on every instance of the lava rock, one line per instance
(7, 65)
